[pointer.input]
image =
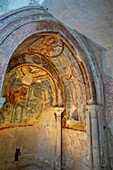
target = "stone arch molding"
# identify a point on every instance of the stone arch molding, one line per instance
(16, 26)
(29, 20)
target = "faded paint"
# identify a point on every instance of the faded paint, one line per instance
(54, 56)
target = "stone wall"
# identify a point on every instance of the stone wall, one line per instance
(107, 61)
(104, 59)
(79, 61)
(75, 150)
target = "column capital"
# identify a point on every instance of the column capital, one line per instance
(2, 100)
(58, 110)
(94, 107)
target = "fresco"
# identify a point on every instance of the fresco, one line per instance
(29, 91)
(47, 72)
(47, 46)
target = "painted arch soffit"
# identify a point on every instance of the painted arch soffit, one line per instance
(45, 71)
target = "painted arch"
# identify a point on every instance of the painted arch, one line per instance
(42, 43)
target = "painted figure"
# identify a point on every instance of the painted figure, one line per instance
(76, 93)
(28, 94)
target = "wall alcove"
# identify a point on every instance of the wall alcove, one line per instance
(44, 67)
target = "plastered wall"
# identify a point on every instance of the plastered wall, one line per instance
(37, 142)
(107, 62)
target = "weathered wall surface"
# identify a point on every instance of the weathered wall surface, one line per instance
(97, 52)
(27, 100)
(75, 150)
(9, 5)
(104, 59)
(107, 61)
(36, 144)
(95, 24)
(75, 141)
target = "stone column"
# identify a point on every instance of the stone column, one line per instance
(58, 111)
(93, 112)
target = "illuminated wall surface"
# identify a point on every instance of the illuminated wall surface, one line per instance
(44, 72)
(43, 67)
